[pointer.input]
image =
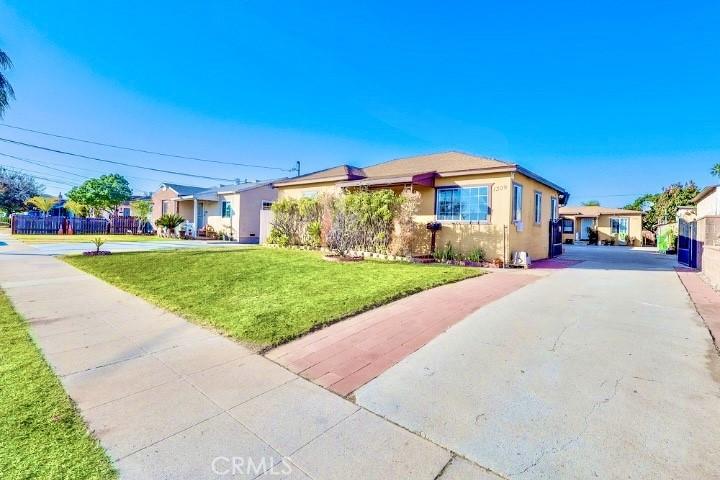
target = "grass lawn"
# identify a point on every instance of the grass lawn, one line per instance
(41, 433)
(261, 295)
(33, 239)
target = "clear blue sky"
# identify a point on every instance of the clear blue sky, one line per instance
(604, 98)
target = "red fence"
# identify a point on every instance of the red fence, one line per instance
(50, 225)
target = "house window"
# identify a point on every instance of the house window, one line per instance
(266, 205)
(468, 204)
(553, 208)
(517, 202)
(126, 212)
(538, 207)
(165, 206)
(309, 194)
(568, 225)
(226, 210)
(619, 226)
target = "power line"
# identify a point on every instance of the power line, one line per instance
(42, 165)
(92, 170)
(114, 162)
(52, 180)
(150, 152)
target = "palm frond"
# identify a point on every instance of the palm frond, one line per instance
(5, 61)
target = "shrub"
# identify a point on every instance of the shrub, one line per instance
(446, 253)
(170, 221)
(477, 255)
(278, 238)
(313, 233)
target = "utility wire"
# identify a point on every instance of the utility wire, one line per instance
(114, 162)
(52, 180)
(94, 171)
(140, 150)
(84, 177)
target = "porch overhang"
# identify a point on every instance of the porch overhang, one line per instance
(211, 197)
(426, 179)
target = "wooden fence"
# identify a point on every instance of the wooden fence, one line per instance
(53, 225)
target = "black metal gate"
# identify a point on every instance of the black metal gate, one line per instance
(555, 238)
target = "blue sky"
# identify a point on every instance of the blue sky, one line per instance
(604, 98)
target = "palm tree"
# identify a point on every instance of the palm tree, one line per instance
(715, 170)
(44, 204)
(6, 90)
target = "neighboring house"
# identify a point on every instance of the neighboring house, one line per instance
(125, 208)
(480, 202)
(231, 209)
(624, 227)
(699, 234)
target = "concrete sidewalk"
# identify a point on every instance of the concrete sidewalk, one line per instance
(170, 400)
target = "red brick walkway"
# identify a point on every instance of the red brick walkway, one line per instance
(706, 300)
(348, 354)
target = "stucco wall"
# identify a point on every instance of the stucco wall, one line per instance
(250, 205)
(534, 238)
(634, 228)
(228, 225)
(711, 265)
(298, 191)
(157, 199)
(709, 205)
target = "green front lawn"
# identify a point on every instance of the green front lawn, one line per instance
(33, 239)
(262, 295)
(41, 433)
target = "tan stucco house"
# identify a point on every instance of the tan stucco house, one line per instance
(480, 202)
(232, 209)
(623, 227)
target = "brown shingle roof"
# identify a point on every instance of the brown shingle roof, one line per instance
(595, 211)
(436, 162)
(341, 172)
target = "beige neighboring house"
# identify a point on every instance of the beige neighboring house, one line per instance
(624, 227)
(480, 202)
(230, 209)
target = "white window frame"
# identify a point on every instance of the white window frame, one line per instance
(265, 203)
(538, 207)
(487, 193)
(517, 201)
(553, 208)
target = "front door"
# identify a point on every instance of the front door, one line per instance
(201, 215)
(585, 225)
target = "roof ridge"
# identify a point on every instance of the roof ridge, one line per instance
(443, 152)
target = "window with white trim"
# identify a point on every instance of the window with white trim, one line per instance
(568, 225)
(553, 208)
(226, 209)
(538, 207)
(517, 202)
(468, 204)
(266, 205)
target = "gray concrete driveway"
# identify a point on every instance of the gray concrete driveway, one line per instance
(603, 370)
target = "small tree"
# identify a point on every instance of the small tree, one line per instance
(591, 203)
(106, 192)
(98, 242)
(142, 209)
(15, 189)
(42, 203)
(77, 209)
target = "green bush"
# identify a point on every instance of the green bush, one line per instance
(278, 238)
(477, 255)
(313, 233)
(446, 253)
